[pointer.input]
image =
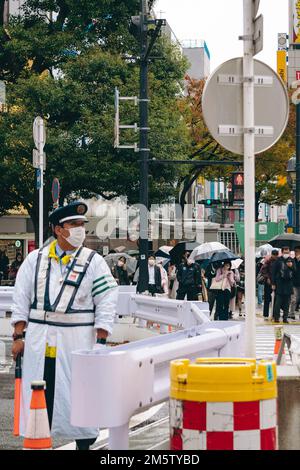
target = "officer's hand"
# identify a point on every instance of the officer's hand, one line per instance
(17, 348)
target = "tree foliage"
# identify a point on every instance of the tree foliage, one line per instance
(65, 67)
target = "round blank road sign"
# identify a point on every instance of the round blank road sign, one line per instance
(222, 104)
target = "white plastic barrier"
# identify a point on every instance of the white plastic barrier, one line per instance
(180, 313)
(6, 294)
(123, 306)
(108, 386)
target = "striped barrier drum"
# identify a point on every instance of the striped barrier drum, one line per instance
(223, 404)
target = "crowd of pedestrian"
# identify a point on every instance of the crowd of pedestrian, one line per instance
(218, 283)
(222, 285)
(279, 275)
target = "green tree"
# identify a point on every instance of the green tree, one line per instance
(66, 69)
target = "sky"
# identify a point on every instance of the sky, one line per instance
(220, 23)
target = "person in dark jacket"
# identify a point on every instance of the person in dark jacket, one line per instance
(296, 290)
(154, 281)
(120, 272)
(4, 263)
(284, 283)
(210, 273)
(189, 279)
(15, 267)
(266, 271)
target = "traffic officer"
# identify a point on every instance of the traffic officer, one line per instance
(65, 297)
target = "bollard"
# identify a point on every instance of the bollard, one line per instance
(223, 404)
(279, 331)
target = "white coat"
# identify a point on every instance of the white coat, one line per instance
(66, 339)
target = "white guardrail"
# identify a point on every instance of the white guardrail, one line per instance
(111, 385)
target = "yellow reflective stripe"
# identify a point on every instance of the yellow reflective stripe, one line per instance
(50, 351)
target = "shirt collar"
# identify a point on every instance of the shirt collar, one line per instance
(59, 251)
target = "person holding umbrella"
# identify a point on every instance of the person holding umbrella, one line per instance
(284, 288)
(266, 273)
(189, 279)
(223, 283)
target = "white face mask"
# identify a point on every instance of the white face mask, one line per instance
(77, 236)
(286, 255)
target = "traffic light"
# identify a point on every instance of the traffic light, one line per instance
(210, 202)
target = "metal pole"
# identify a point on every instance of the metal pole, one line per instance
(144, 152)
(41, 190)
(249, 170)
(297, 198)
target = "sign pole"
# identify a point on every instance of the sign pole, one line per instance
(41, 189)
(249, 173)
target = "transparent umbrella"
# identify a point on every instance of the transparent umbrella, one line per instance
(131, 262)
(206, 250)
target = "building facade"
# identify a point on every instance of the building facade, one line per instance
(198, 55)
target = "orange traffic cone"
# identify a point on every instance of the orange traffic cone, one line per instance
(278, 340)
(37, 435)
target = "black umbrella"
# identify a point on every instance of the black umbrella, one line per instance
(163, 252)
(286, 239)
(223, 256)
(178, 250)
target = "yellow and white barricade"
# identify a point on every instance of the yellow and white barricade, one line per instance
(223, 404)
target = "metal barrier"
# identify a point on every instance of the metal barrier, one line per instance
(123, 306)
(6, 294)
(180, 313)
(108, 386)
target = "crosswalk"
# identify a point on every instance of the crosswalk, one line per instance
(265, 340)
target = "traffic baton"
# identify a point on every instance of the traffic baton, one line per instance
(17, 403)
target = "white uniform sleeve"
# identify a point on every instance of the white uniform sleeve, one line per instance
(23, 290)
(105, 294)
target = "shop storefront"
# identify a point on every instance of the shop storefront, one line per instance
(16, 237)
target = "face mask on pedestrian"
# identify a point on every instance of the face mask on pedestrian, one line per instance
(286, 255)
(76, 237)
(151, 262)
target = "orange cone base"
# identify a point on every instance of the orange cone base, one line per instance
(37, 444)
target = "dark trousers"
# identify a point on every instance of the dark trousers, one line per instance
(189, 292)
(267, 299)
(281, 302)
(49, 377)
(222, 308)
(152, 289)
(211, 299)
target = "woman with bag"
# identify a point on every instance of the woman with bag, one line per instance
(223, 283)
